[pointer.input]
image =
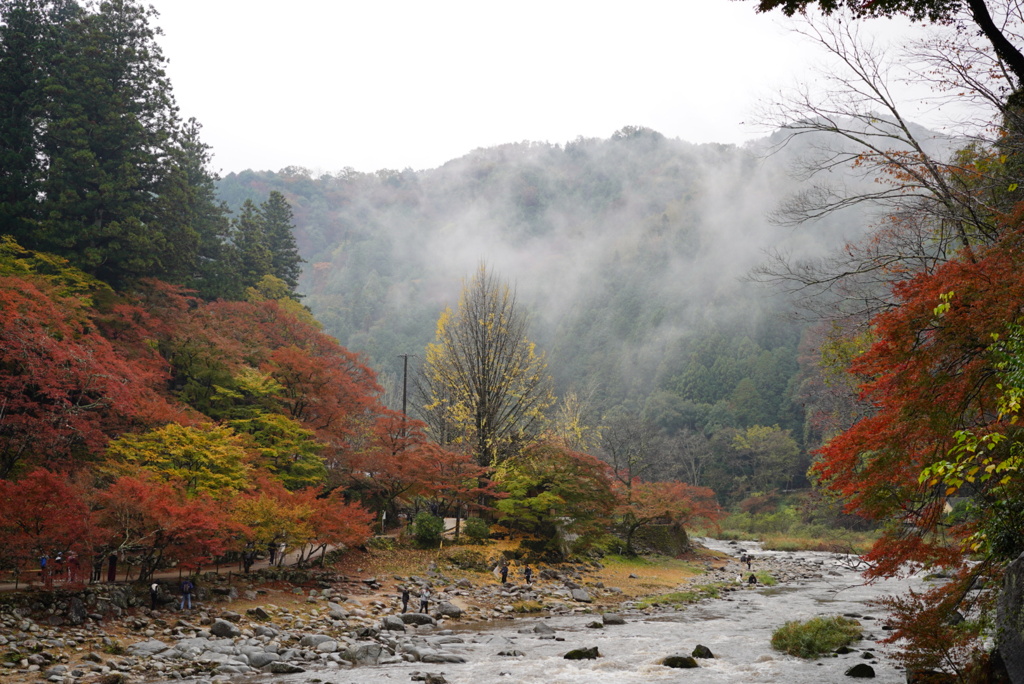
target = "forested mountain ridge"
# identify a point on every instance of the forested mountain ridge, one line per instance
(631, 253)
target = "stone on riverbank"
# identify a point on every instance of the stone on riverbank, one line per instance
(364, 653)
(392, 623)
(417, 619)
(581, 595)
(448, 609)
(223, 628)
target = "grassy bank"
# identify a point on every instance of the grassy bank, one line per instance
(783, 531)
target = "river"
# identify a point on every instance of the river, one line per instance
(737, 629)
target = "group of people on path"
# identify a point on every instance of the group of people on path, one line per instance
(501, 571)
(60, 569)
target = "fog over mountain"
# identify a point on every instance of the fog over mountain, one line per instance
(631, 255)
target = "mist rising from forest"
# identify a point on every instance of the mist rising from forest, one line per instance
(624, 251)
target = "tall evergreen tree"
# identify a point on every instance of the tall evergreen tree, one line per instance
(110, 117)
(252, 254)
(280, 239)
(192, 218)
(95, 163)
(30, 35)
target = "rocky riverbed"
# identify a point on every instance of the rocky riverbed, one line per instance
(317, 622)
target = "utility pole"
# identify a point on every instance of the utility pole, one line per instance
(405, 376)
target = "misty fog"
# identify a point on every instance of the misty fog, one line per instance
(628, 245)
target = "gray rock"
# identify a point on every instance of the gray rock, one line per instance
(314, 640)
(76, 613)
(392, 623)
(363, 653)
(613, 619)
(428, 678)
(437, 657)
(56, 670)
(336, 612)
(223, 628)
(580, 595)
(259, 660)
(148, 648)
(327, 646)
(417, 619)
(258, 613)
(448, 609)
(539, 628)
(583, 654)
(283, 668)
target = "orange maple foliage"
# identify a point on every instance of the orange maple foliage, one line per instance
(44, 514)
(155, 525)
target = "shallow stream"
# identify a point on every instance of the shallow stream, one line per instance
(737, 629)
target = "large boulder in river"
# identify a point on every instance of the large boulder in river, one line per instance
(680, 661)
(700, 651)
(583, 654)
(861, 671)
(1010, 620)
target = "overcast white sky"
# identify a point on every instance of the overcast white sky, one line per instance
(376, 84)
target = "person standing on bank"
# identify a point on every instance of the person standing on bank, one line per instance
(154, 594)
(405, 599)
(186, 594)
(424, 600)
(504, 573)
(529, 574)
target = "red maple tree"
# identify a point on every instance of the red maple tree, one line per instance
(44, 515)
(64, 387)
(155, 525)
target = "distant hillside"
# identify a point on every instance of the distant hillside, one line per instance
(630, 253)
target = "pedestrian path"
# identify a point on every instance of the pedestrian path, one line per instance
(31, 580)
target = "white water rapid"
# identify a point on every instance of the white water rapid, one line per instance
(736, 628)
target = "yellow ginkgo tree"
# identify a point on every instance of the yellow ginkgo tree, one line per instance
(485, 385)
